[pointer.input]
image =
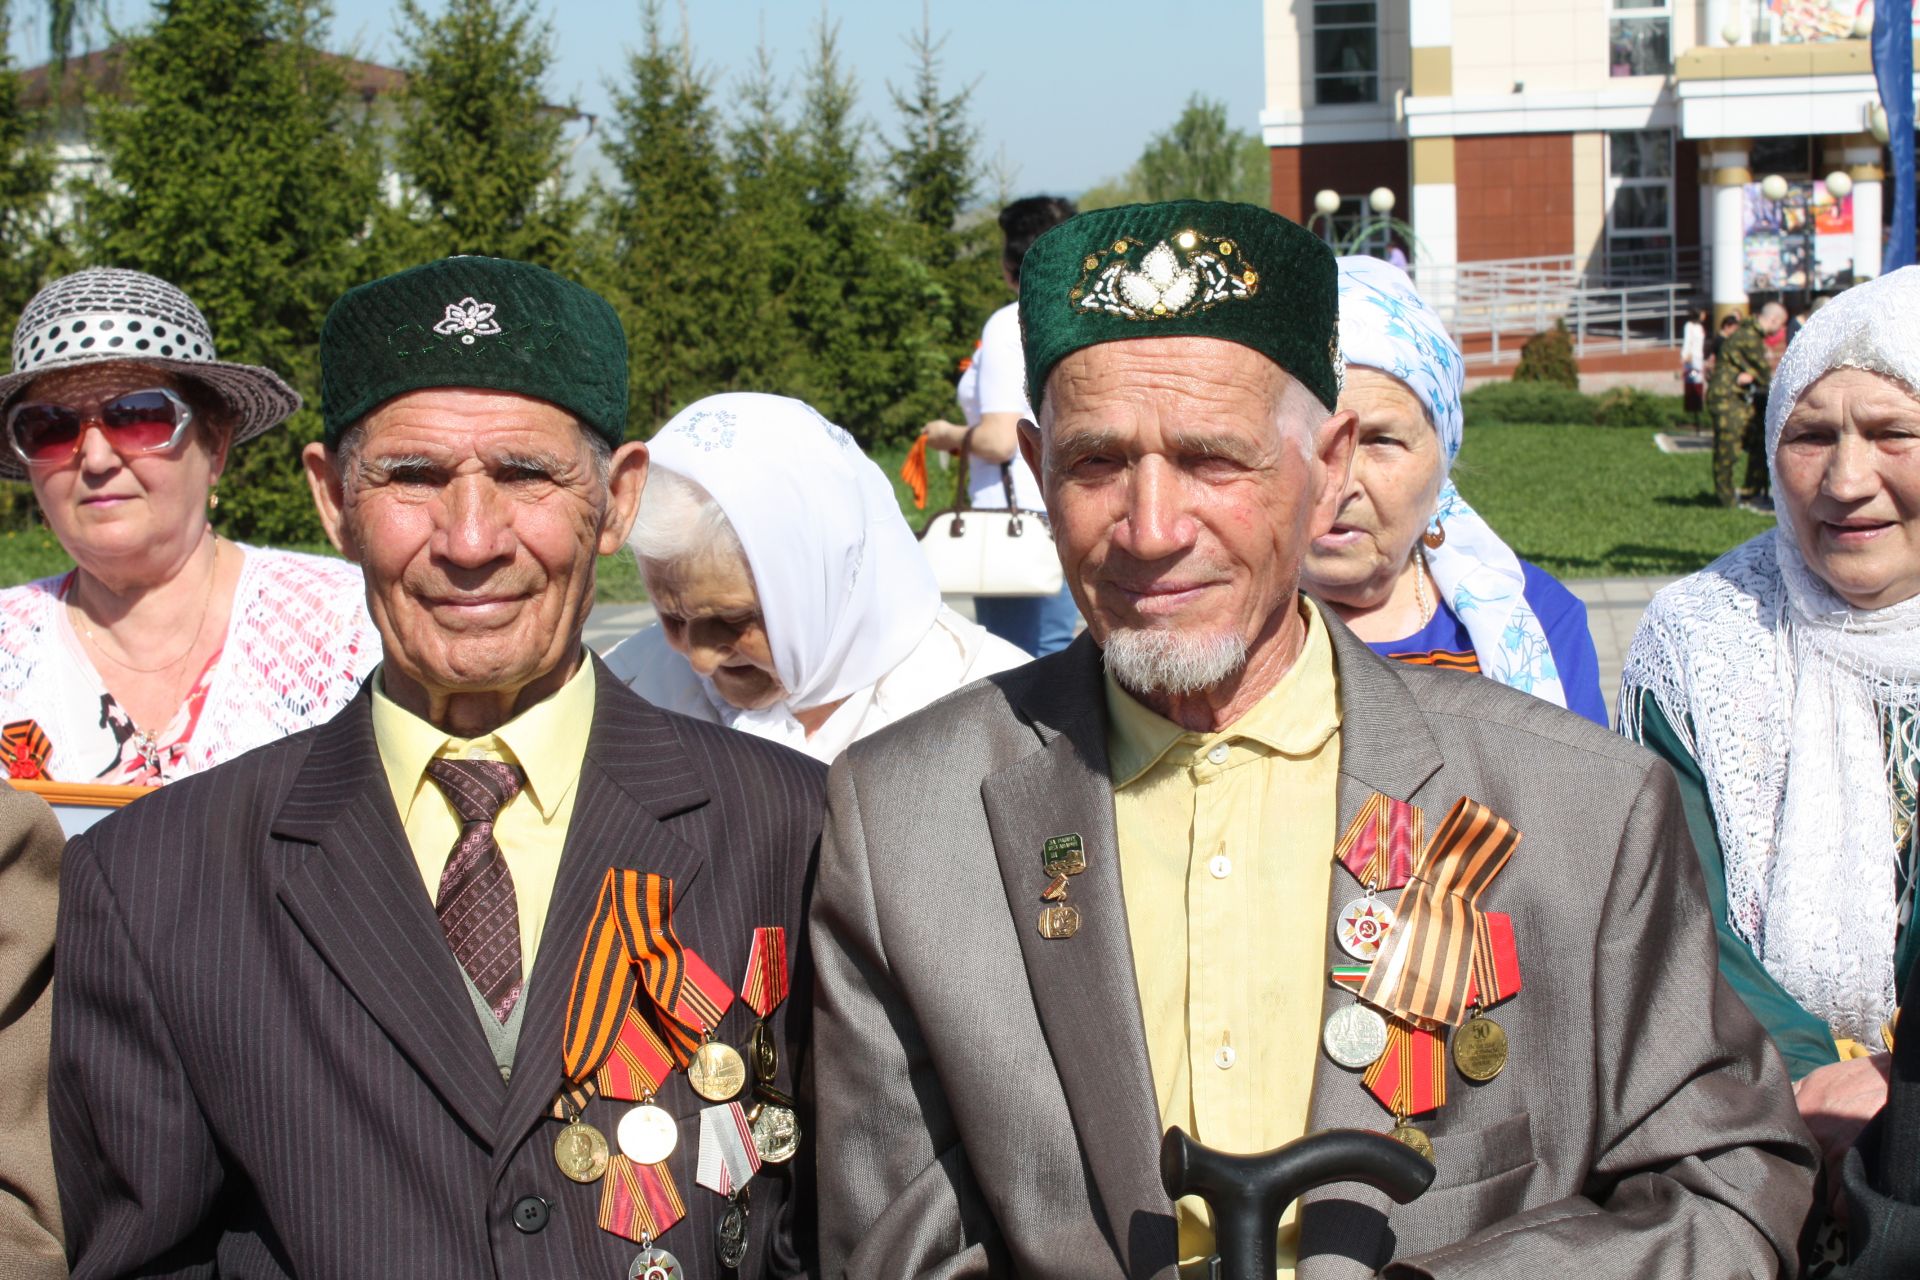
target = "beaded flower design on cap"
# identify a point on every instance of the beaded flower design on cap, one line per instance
(107, 314)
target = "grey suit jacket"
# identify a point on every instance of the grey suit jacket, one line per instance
(985, 1100)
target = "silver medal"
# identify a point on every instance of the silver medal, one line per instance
(655, 1264)
(1363, 927)
(1355, 1036)
(647, 1134)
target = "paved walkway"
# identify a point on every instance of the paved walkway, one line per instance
(1614, 606)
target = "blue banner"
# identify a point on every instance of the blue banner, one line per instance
(1893, 72)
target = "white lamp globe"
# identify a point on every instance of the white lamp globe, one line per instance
(1877, 122)
(1730, 34)
(1863, 22)
(1381, 200)
(1840, 184)
(1773, 187)
(1327, 201)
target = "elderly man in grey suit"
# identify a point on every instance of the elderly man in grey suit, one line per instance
(1218, 866)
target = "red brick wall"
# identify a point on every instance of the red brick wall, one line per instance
(1351, 168)
(1514, 195)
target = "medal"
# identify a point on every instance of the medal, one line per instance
(1363, 927)
(776, 1132)
(1064, 855)
(1355, 1036)
(1408, 1136)
(654, 1264)
(716, 1072)
(728, 1158)
(639, 1202)
(581, 1152)
(764, 1055)
(1056, 891)
(1480, 1048)
(764, 989)
(1059, 921)
(730, 1235)
(647, 1134)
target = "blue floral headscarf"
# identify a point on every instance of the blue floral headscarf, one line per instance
(1385, 324)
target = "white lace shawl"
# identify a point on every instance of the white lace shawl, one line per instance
(1780, 691)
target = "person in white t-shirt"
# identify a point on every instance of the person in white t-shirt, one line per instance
(993, 398)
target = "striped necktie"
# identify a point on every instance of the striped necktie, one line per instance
(476, 906)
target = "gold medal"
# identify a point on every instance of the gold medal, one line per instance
(1408, 1136)
(581, 1152)
(1056, 890)
(1064, 855)
(764, 1053)
(1060, 921)
(716, 1072)
(1480, 1048)
(776, 1132)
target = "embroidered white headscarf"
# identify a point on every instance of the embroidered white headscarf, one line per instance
(1385, 324)
(845, 593)
(1780, 690)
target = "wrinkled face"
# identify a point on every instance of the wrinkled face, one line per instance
(1389, 500)
(107, 509)
(1182, 500)
(1848, 471)
(477, 517)
(710, 614)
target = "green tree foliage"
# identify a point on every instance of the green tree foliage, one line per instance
(26, 246)
(240, 173)
(671, 254)
(1201, 157)
(1548, 357)
(478, 150)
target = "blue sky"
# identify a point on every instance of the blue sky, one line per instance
(1068, 91)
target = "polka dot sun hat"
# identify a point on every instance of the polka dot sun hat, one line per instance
(106, 314)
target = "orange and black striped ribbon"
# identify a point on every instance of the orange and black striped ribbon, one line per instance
(25, 748)
(1411, 1076)
(1496, 960)
(1380, 842)
(1425, 969)
(639, 1064)
(766, 984)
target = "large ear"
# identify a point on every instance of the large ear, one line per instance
(626, 480)
(323, 478)
(1333, 445)
(1030, 448)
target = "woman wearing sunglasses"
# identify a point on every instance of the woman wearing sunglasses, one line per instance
(168, 648)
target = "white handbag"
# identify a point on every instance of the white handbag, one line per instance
(991, 553)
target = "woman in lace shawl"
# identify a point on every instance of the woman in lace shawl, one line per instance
(167, 648)
(1782, 683)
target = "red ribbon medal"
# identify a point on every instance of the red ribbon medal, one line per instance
(639, 1202)
(639, 1063)
(1380, 842)
(1411, 1076)
(766, 982)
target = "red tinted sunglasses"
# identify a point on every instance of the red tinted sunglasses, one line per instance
(48, 435)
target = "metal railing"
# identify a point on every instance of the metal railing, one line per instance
(1620, 303)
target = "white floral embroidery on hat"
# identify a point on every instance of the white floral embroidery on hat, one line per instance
(466, 318)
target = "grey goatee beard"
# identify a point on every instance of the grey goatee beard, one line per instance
(1166, 662)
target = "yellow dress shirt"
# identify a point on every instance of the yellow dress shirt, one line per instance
(1226, 857)
(548, 741)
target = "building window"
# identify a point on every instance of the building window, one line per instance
(1639, 34)
(1346, 51)
(1639, 199)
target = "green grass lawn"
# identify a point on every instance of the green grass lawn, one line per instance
(1581, 502)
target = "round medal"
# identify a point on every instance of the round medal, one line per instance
(1355, 1036)
(730, 1236)
(1363, 927)
(581, 1152)
(716, 1072)
(766, 1057)
(1408, 1136)
(655, 1264)
(647, 1134)
(1480, 1048)
(776, 1132)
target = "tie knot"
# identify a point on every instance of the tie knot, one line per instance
(477, 788)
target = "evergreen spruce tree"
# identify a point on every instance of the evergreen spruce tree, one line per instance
(238, 171)
(765, 233)
(26, 181)
(478, 151)
(671, 249)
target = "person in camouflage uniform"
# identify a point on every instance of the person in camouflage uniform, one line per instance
(1737, 395)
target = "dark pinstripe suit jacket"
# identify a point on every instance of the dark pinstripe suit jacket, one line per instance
(265, 1062)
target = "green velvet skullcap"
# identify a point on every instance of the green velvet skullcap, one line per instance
(1183, 268)
(489, 323)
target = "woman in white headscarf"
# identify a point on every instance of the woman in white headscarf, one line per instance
(1408, 565)
(1782, 682)
(793, 600)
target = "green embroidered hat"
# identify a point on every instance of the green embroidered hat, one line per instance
(490, 323)
(1183, 268)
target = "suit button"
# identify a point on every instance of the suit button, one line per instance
(530, 1214)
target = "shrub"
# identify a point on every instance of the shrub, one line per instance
(1548, 357)
(1632, 407)
(1542, 402)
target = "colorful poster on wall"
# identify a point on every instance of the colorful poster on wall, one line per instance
(1800, 243)
(1810, 21)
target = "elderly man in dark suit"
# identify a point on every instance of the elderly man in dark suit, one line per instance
(372, 1001)
(1218, 866)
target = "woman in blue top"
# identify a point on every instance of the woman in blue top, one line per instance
(1409, 565)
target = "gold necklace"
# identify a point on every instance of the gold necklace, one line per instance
(206, 606)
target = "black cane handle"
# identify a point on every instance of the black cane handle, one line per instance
(1249, 1193)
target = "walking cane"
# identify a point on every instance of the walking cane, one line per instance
(1249, 1193)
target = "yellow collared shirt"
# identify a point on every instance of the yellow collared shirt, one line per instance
(1226, 844)
(548, 741)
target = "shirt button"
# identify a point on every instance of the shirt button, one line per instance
(530, 1214)
(1224, 1057)
(1217, 753)
(1221, 866)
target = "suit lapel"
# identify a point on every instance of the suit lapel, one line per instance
(361, 903)
(1083, 986)
(635, 774)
